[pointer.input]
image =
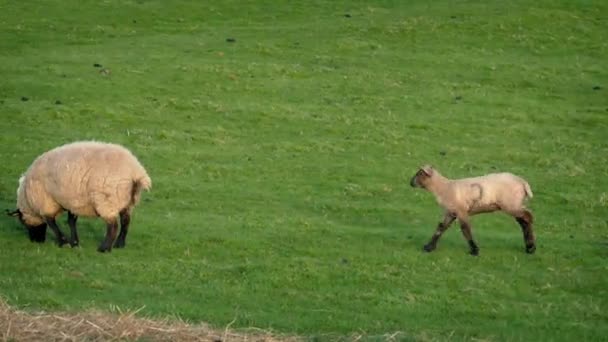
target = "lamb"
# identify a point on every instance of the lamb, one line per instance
(462, 198)
(84, 178)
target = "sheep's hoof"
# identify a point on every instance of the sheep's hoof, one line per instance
(74, 244)
(119, 244)
(474, 252)
(530, 249)
(61, 242)
(429, 247)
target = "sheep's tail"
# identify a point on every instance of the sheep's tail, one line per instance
(143, 183)
(527, 189)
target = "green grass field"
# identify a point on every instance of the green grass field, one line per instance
(281, 161)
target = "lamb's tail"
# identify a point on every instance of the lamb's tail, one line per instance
(527, 189)
(143, 183)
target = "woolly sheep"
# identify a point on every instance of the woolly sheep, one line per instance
(462, 198)
(84, 178)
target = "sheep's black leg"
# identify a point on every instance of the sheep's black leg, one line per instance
(106, 245)
(465, 227)
(61, 240)
(525, 221)
(125, 219)
(441, 228)
(74, 241)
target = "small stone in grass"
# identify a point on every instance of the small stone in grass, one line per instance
(97, 65)
(347, 15)
(230, 40)
(23, 98)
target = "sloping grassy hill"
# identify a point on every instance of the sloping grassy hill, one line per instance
(281, 137)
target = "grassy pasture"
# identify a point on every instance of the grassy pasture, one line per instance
(281, 137)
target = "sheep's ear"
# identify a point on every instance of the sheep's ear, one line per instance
(428, 170)
(13, 213)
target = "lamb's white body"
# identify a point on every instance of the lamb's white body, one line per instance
(496, 191)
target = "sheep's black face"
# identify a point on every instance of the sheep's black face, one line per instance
(37, 233)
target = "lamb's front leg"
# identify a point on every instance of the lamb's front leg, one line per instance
(465, 227)
(448, 218)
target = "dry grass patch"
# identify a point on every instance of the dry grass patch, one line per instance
(17, 325)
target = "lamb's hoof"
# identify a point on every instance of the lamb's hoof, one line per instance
(61, 242)
(119, 244)
(531, 249)
(474, 250)
(74, 244)
(104, 249)
(429, 247)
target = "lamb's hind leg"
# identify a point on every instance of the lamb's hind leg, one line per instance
(125, 219)
(448, 218)
(465, 227)
(525, 220)
(112, 228)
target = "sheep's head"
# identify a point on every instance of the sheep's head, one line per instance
(35, 227)
(422, 177)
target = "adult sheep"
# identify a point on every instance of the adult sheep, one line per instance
(84, 178)
(462, 198)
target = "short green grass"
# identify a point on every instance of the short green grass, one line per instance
(281, 161)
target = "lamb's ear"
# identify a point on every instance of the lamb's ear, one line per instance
(428, 170)
(13, 213)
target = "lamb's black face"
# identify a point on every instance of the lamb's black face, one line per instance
(414, 181)
(37, 233)
(421, 177)
(418, 178)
